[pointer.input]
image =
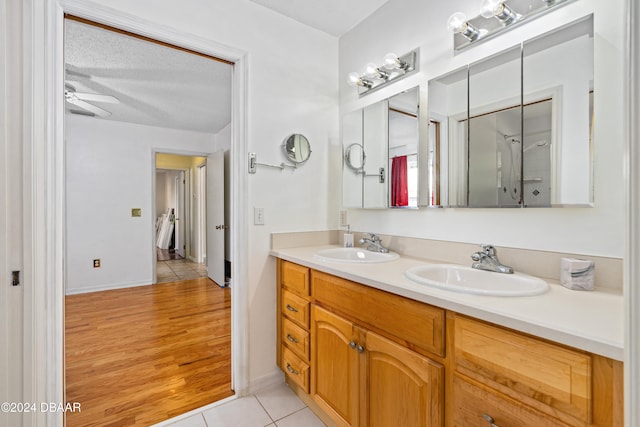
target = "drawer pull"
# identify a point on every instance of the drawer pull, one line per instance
(292, 339)
(489, 419)
(352, 344)
(290, 308)
(291, 370)
(360, 349)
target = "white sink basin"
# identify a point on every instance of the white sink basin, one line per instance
(354, 255)
(469, 280)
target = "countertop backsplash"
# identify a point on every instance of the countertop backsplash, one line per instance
(544, 264)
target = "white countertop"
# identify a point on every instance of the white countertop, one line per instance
(588, 320)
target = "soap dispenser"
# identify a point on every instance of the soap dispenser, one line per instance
(348, 238)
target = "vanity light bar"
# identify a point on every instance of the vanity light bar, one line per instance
(394, 68)
(496, 16)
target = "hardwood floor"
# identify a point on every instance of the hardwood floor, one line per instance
(141, 355)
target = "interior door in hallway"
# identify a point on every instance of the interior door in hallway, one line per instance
(215, 218)
(180, 215)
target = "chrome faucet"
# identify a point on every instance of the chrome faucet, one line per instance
(374, 243)
(487, 259)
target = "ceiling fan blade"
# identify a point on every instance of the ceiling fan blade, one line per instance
(82, 112)
(97, 97)
(89, 107)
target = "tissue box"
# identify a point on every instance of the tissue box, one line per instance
(578, 274)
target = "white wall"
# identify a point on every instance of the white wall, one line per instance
(416, 23)
(109, 172)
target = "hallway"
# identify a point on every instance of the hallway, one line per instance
(171, 267)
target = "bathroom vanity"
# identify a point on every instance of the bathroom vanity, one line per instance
(367, 349)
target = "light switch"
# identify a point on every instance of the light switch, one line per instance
(136, 212)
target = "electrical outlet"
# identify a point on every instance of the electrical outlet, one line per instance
(258, 216)
(96, 263)
(343, 218)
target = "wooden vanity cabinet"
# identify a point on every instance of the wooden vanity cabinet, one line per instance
(520, 380)
(293, 321)
(365, 370)
(359, 356)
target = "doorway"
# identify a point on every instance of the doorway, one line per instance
(124, 148)
(181, 223)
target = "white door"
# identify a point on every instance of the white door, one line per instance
(180, 217)
(215, 217)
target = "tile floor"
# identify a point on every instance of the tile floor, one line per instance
(276, 406)
(179, 269)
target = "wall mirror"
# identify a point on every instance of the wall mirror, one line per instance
(514, 130)
(296, 148)
(380, 154)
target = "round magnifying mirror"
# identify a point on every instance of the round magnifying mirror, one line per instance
(354, 157)
(297, 148)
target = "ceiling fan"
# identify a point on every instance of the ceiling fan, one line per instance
(79, 99)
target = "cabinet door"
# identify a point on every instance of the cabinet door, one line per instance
(334, 367)
(405, 388)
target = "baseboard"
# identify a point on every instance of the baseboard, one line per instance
(107, 287)
(272, 379)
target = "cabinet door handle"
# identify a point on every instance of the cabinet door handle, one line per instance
(290, 308)
(489, 419)
(291, 370)
(360, 349)
(292, 339)
(352, 344)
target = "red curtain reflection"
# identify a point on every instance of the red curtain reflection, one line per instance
(399, 190)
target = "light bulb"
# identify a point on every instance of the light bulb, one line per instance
(499, 10)
(491, 8)
(356, 80)
(353, 79)
(457, 22)
(391, 61)
(371, 70)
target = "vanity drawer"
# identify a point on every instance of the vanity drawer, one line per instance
(551, 378)
(296, 338)
(295, 308)
(473, 402)
(415, 325)
(295, 278)
(295, 368)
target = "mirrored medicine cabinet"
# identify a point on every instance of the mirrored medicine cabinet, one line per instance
(380, 145)
(515, 129)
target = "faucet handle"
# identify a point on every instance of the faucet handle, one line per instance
(488, 249)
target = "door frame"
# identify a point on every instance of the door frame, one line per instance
(188, 210)
(43, 350)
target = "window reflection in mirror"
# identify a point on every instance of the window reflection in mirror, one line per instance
(403, 149)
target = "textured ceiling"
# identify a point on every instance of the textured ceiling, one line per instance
(334, 17)
(156, 85)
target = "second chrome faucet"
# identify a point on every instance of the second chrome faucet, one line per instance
(487, 259)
